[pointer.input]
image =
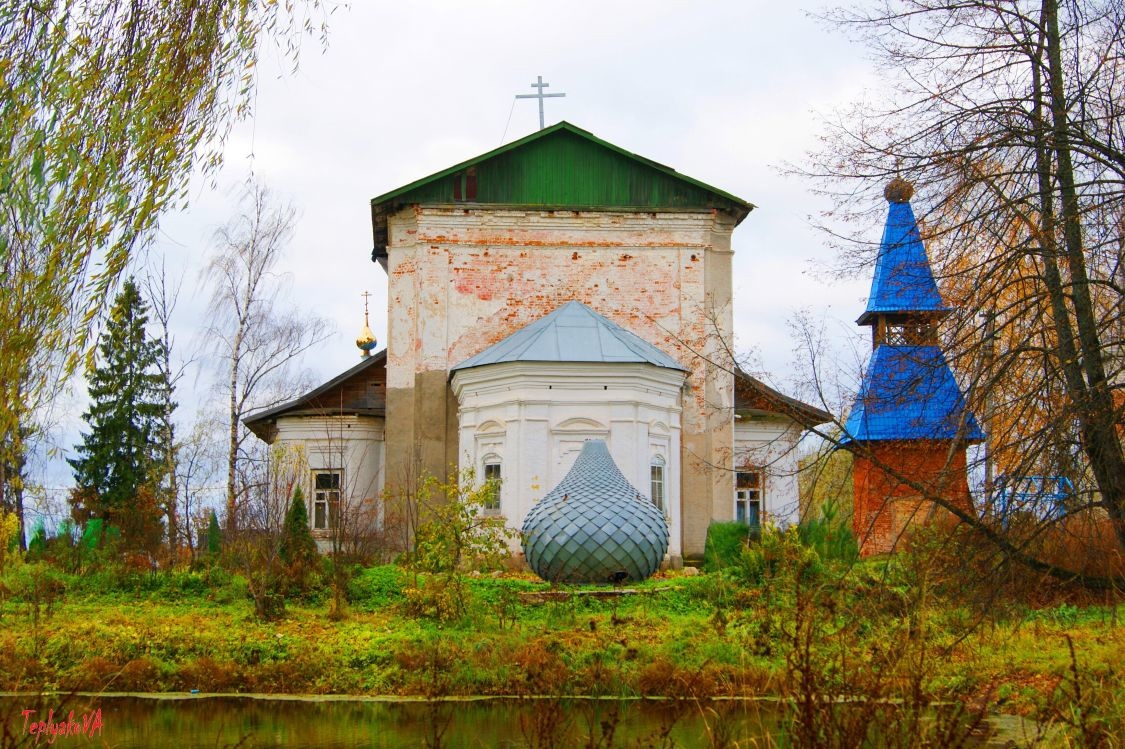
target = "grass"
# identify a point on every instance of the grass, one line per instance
(154, 638)
(776, 621)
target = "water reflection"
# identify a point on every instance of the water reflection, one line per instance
(211, 722)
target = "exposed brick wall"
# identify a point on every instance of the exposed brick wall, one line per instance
(481, 279)
(462, 279)
(886, 507)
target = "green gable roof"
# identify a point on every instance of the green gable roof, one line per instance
(561, 166)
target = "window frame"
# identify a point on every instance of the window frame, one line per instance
(493, 461)
(658, 482)
(325, 507)
(750, 492)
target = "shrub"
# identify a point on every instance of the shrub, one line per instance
(9, 539)
(37, 547)
(97, 542)
(377, 587)
(778, 554)
(724, 545)
(214, 536)
(456, 536)
(830, 536)
(297, 549)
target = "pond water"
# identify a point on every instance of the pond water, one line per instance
(128, 722)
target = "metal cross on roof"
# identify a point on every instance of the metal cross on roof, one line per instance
(540, 85)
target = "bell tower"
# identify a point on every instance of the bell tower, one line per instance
(909, 424)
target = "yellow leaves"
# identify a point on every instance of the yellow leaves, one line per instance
(9, 531)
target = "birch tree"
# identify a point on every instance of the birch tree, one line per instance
(162, 296)
(256, 332)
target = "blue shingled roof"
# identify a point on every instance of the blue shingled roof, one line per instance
(572, 333)
(903, 280)
(908, 393)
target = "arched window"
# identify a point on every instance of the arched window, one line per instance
(493, 473)
(656, 473)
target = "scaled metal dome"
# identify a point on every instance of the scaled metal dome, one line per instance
(594, 527)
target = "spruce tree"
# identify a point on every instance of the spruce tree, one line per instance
(214, 536)
(119, 454)
(298, 548)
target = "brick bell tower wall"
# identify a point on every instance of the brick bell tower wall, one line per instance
(886, 507)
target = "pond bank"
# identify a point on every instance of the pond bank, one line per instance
(695, 638)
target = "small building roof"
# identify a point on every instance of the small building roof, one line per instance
(903, 281)
(359, 390)
(908, 393)
(561, 166)
(751, 394)
(572, 333)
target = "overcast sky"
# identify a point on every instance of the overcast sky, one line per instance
(725, 92)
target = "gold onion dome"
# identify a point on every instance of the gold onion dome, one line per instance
(366, 340)
(898, 190)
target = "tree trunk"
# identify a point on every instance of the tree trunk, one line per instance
(232, 453)
(1095, 400)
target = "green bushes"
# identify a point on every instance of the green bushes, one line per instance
(725, 542)
(214, 536)
(377, 588)
(9, 539)
(297, 549)
(830, 536)
(456, 536)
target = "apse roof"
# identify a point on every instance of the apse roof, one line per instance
(909, 393)
(903, 281)
(572, 333)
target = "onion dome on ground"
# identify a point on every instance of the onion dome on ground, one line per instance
(594, 527)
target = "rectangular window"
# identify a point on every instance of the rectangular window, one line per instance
(326, 500)
(492, 474)
(748, 497)
(657, 482)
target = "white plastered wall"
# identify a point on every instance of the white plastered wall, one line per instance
(351, 444)
(536, 416)
(770, 443)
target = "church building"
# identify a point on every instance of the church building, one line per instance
(555, 290)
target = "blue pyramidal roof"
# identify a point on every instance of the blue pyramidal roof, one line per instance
(903, 279)
(572, 333)
(908, 393)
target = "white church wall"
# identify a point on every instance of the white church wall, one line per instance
(769, 444)
(352, 445)
(537, 416)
